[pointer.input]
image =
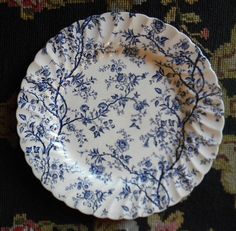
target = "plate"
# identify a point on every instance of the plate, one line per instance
(120, 115)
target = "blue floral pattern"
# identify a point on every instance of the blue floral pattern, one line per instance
(117, 118)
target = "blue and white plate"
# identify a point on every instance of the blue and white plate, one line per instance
(120, 115)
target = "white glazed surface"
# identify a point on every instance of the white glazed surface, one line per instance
(120, 115)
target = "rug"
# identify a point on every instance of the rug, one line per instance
(25, 26)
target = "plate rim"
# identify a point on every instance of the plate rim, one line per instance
(220, 129)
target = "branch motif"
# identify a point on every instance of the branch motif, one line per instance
(180, 101)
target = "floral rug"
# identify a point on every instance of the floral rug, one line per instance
(25, 26)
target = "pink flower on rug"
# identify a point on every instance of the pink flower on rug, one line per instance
(166, 227)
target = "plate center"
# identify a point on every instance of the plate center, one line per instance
(129, 116)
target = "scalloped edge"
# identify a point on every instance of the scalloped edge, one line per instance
(183, 195)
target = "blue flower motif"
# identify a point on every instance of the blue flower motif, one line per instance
(158, 25)
(96, 134)
(88, 45)
(71, 127)
(184, 45)
(179, 60)
(120, 77)
(161, 132)
(78, 79)
(54, 166)
(148, 163)
(60, 71)
(41, 130)
(119, 69)
(131, 37)
(113, 66)
(122, 145)
(143, 177)
(125, 191)
(140, 105)
(86, 120)
(190, 149)
(97, 169)
(28, 150)
(100, 195)
(23, 100)
(116, 67)
(60, 39)
(133, 79)
(79, 185)
(102, 107)
(45, 72)
(88, 194)
(84, 107)
(54, 176)
(86, 186)
(36, 149)
(42, 86)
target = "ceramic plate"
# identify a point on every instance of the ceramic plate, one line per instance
(120, 115)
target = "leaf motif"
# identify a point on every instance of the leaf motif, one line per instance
(199, 82)
(134, 125)
(161, 70)
(125, 208)
(22, 105)
(32, 125)
(93, 128)
(23, 117)
(102, 19)
(158, 90)
(101, 130)
(21, 129)
(127, 158)
(162, 40)
(156, 103)
(167, 98)
(114, 96)
(96, 134)
(62, 109)
(157, 76)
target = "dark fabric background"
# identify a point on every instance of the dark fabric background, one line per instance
(25, 27)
